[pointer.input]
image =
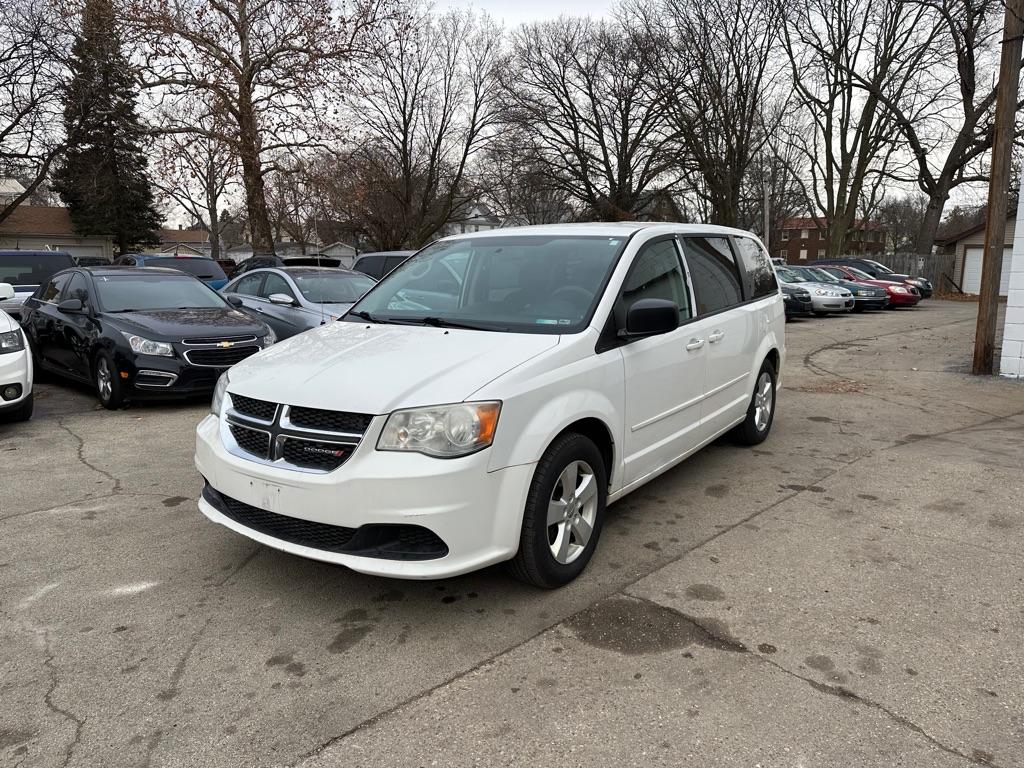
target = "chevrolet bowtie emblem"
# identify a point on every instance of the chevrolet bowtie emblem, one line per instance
(225, 344)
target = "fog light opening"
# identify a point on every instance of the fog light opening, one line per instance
(11, 392)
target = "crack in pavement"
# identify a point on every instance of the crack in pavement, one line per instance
(48, 699)
(74, 502)
(82, 460)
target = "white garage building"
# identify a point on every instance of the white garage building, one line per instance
(49, 228)
(969, 246)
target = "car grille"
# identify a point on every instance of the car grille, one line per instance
(202, 342)
(220, 358)
(329, 421)
(257, 409)
(307, 439)
(254, 441)
(314, 454)
(387, 541)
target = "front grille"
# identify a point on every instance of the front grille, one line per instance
(251, 440)
(257, 409)
(329, 421)
(332, 538)
(204, 342)
(220, 358)
(314, 454)
(381, 540)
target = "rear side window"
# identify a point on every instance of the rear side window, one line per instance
(716, 281)
(371, 265)
(656, 274)
(758, 277)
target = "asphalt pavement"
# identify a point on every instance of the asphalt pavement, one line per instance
(849, 593)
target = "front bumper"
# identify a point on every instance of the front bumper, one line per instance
(831, 303)
(15, 368)
(903, 299)
(156, 377)
(476, 514)
(872, 302)
(795, 307)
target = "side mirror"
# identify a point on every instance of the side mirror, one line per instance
(234, 300)
(650, 317)
(6, 291)
(70, 306)
(282, 299)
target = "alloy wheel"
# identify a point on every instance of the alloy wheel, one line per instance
(572, 512)
(764, 400)
(104, 380)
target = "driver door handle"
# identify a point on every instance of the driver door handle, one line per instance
(715, 336)
(695, 344)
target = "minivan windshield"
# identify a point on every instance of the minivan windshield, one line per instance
(519, 283)
(133, 293)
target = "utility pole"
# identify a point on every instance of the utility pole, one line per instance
(999, 182)
(767, 218)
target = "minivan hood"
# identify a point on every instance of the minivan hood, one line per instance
(375, 369)
(7, 323)
(177, 324)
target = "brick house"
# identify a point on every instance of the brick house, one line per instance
(802, 239)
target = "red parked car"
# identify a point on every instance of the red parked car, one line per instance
(900, 294)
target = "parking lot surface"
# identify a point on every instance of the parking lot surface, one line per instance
(848, 593)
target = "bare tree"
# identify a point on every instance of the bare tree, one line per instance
(846, 57)
(582, 89)
(426, 105)
(33, 51)
(266, 65)
(196, 172)
(512, 173)
(712, 60)
(902, 215)
(292, 201)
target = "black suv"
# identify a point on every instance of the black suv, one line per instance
(381, 263)
(881, 272)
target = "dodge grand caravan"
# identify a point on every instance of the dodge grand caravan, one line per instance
(487, 400)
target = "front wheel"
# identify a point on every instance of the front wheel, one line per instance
(564, 513)
(23, 412)
(761, 411)
(107, 381)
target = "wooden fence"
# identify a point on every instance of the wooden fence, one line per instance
(938, 268)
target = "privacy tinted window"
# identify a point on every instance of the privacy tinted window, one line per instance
(759, 277)
(716, 281)
(656, 274)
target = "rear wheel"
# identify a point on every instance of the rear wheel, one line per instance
(107, 381)
(761, 411)
(564, 513)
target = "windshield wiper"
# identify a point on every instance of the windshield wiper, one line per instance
(364, 315)
(441, 322)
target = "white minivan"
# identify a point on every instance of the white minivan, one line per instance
(486, 400)
(16, 395)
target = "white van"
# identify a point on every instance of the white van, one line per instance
(15, 366)
(486, 400)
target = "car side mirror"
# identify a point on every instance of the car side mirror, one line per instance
(6, 291)
(70, 306)
(234, 300)
(282, 299)
(650, 317)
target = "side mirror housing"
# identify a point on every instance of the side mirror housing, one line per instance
(6, 291)
(282, 299)
(233, 299)
(70, 306)
(650, 317)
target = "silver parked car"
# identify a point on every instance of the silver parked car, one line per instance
(294, 299)
(825, 297)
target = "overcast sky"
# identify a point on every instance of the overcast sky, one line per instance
(514, 12)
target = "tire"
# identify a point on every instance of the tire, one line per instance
(755, 428)
(858, 307)
(552, 556)
(103, 370)
(821, 314)
(23, 412)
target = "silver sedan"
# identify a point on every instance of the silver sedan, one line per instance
(294, 299)
(825, 297)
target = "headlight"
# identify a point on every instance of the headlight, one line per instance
(218, 394)
(444, 431)
(12, 341)
(899, 289)
(865, 293)
(270, 338)
(146, 347)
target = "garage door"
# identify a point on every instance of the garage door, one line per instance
(971, 282)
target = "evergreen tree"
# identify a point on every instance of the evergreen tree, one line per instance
(103, 177)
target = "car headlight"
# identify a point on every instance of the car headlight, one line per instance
(899, 289)
(270, 338)
(865, 293)
(143, 346)
(218, 394)
(443, 431)
(12, 341)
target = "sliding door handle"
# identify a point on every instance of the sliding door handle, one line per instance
(695, 344)
(715, 336)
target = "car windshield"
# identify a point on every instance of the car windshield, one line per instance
(204, 269)
(821, 275)
(859, 275)
(127, 293)
(31, 268)
(525, 283)
(336, 288)
(788, 275)
(880, 267)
